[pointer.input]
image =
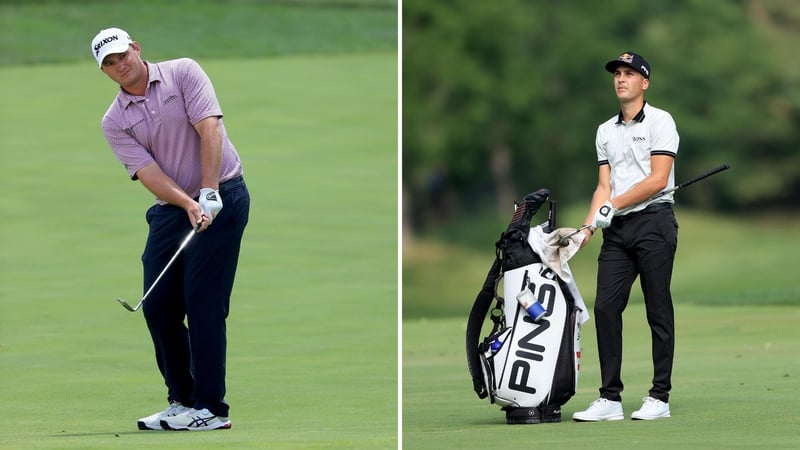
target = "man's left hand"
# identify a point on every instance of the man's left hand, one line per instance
(210, 203)
(603, 215)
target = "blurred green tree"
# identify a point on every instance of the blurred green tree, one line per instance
(503, 97)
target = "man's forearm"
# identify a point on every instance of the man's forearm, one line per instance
(163, 187)
(210, 151)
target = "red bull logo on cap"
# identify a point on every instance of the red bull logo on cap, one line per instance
(632, 59)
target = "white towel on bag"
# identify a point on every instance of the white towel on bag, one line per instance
(556, 258)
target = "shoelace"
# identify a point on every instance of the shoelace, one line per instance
(174, 409)
(650, 402)
(199, 413)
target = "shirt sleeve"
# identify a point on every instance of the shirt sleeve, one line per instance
(198, 92)
(126, 148)
(600, 146)
(664, 138)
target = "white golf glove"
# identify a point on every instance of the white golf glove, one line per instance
(210, 203)
(604, 214)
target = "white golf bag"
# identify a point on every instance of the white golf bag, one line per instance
(527, 365)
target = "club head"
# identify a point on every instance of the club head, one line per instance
(127, 306)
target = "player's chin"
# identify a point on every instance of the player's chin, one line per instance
(625, 96)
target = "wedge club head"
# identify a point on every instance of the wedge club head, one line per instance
(127, 306)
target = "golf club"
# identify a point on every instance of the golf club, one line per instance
(174, 257)
(563, 239)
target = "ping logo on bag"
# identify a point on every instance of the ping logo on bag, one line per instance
(521, 368)
(529, 349)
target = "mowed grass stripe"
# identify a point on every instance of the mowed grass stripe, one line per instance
(166, 28)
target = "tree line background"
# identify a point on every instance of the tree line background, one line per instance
(501, 98)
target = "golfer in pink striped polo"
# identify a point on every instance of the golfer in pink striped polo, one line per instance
(165, 127)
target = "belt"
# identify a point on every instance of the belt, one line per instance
(652, 208)
(230, 184)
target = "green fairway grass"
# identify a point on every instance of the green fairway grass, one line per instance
(312, 351)
(734, 387)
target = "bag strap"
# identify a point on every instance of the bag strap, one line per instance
(474, 324)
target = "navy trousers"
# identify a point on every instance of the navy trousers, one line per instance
(641, 244)
(187, 310)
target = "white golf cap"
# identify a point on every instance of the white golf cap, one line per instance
(108, 41)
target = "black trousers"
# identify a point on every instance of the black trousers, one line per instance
(187, 310)
(639, 244)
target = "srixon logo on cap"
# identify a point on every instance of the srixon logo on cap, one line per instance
(105, 41)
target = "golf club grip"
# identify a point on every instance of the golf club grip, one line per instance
(693, 180)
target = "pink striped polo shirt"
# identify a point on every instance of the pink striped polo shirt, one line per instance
(159, 126)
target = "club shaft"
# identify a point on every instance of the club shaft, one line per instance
(566, 237)
(693, 180)
(660, 194)
(174, 257)
(169, 264)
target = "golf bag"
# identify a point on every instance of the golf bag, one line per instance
(526, 365)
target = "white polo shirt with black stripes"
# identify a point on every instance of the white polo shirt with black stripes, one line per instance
(627, 148)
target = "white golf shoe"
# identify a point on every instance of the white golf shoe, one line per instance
(600, 410)
(195, 420)
(153, 421)
(652, 408)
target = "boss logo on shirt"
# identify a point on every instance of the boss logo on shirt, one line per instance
(169, 99)
(638, 139)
